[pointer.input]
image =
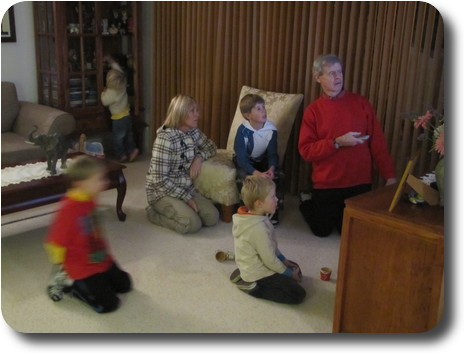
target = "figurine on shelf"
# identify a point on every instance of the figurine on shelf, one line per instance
(89, 59)
(105, 26)
(73, 28)
(113, 29)
(73, 60)
(123, 24)
(130, 24)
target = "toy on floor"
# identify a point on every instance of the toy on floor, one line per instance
(222, 256)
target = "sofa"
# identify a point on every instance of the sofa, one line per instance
(18, 119)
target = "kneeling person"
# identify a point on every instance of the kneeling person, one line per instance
(82, 262)
(263, 271)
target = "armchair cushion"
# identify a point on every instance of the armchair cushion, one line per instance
(217, 179)
(281, 110)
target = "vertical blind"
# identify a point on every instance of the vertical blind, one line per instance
(393, 53)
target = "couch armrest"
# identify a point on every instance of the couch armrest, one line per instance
(48, 119)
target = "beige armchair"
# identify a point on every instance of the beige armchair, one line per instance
(217, 179)
(18, 119)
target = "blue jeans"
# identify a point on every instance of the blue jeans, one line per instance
(123, 136)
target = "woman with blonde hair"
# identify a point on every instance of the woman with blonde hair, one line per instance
(178, 151)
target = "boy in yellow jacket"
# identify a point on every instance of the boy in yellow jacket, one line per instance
(263, 271)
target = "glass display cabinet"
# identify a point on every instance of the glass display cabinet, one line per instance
(72, 38)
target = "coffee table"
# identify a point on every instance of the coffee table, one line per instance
(30, 194)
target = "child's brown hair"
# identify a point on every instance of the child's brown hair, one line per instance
(249, 101)
(82, 168)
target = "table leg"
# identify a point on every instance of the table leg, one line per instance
(121, 187)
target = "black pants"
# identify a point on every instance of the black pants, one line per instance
(279, 288)
(325, 209)
(99, 291)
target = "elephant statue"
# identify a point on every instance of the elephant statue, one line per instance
(54, 145)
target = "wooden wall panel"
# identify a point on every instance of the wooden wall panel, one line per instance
(393, 53)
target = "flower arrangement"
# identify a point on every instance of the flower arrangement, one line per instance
(434, 121)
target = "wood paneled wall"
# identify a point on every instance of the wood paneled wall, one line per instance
(393, 53)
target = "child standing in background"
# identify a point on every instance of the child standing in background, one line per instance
(114, 96)
(76, 245)
(263, 271)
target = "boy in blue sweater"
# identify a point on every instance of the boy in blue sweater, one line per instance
(255, 145)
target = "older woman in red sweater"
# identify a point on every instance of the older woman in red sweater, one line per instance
(342, 138)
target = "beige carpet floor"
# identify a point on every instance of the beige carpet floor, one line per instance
(179, 287)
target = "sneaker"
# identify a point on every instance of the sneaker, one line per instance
(246, 286)
(275, 218)
(305, 196)
(55, 293)
(122, 159)
(60, 283)
(133, 155)
(235, 276)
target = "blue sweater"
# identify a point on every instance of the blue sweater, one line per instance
(252, 146)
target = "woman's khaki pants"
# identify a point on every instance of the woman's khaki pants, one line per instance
(175, 214)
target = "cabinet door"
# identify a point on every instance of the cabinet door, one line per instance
(81, 50)
(49, 90)
(390, 276)
(72, 38)
(119, 38)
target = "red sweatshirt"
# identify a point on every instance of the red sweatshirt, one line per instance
(75, 238)
(327, 118)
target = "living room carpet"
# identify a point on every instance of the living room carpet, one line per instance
(179, 286)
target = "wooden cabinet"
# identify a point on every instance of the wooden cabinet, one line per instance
(72, 37)
(390, 274)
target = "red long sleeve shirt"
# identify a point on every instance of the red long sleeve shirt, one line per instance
(75, 238)
(327, 118)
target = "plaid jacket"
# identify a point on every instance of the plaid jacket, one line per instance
(172, 154)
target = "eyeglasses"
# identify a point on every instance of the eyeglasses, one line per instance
(333, 74)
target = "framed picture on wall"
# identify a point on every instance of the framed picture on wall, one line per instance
(8, 26)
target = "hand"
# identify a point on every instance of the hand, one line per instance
(349, 139)
(292, 265)
(108, 59)
(263, 174)
(270, 173)
(193, 205)
(296, 274)
(390, 181)
(195, 167)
